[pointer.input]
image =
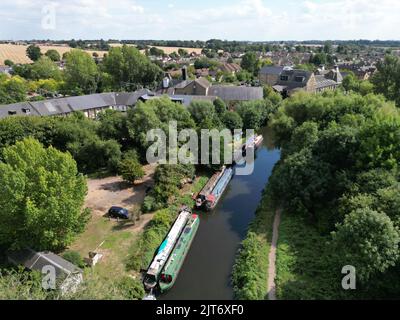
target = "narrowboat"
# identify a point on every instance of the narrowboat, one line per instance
(201, 198)
(216, 194)
(152, 275)
(178, 255)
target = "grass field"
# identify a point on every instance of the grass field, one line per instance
(17, 53)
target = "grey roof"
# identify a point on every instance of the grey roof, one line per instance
(186, 99)
(18, 109)
(183, 99)
(33, 260)
(323, 82)
(292, 75)
(201, 81)
(183, 84)
(129, 98)
(236, 93)
(70, 104)
(276, 70)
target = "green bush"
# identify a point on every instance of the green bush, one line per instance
(144, 249)
(131, 289)
(75, 258)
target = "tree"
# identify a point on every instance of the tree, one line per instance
(387, 78)
(232, 120)
(8, 62)
(204, 114)
(81, 73)
(54, 55)
(220, 106)
(250, 63)
(112, 125)
(368, 241)
(183, 53)
(41, 197)
(328, 48)
(156, 52)
(130, 69)
(131, 170)
(156, 114)
(13, 90)
(45, 68)
(272, 95)
(33, 52)
(319, 59)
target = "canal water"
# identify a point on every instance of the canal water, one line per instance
(206, 272)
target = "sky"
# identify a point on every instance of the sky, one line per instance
(253, 20)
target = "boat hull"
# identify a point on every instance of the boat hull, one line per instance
(177, 258)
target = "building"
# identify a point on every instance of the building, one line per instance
(291, 80)
(287, 80)
(90, 105)
(198, 87)
(231, 68)
(270, 74)
(182, 99)
(68, 276)
(5, 70)
(231, 94)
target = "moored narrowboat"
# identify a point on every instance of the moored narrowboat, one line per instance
(152, 275)
(176, 259)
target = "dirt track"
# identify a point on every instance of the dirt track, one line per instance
(113, 191)
(272, 257)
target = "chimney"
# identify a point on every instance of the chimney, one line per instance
(184, 73)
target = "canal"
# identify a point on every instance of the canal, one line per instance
(206, 272)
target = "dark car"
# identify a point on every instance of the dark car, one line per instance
(118, 212)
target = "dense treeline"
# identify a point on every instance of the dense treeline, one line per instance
(339, 172)
(122, 69)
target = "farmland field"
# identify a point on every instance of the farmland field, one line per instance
(167, 50)
(17, 53)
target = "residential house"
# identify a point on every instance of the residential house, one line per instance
(68, 277)
(270, 74)
(231, 68)
(291, 80)
(287, 80)
(198, 87)
(5, 70)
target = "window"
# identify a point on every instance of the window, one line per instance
(299, 79)
(12, 112)
(26, 110)
(284, 78)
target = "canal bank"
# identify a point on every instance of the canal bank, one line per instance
(206, 272)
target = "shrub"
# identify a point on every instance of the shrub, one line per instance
(131, 289)
(75, 258)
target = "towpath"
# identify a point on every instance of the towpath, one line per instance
(272, 256)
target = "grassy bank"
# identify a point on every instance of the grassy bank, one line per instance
(142, 251)
(250, 272)
(304, 267)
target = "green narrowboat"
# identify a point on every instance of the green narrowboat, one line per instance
(178, 255)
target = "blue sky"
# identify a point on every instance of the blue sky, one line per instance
(202, 20)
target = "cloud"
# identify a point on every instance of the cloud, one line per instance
(235, 19)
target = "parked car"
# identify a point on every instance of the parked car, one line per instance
(118, 212)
